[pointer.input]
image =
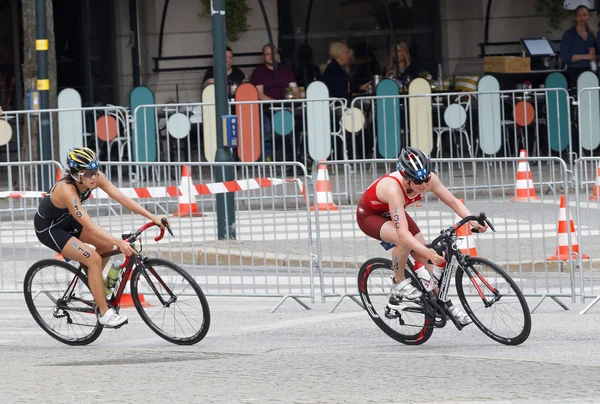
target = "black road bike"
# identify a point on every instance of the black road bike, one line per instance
(488, 294)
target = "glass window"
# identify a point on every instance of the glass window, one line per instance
(364, 26)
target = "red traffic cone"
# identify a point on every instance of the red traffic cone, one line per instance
(562, 250)
(324, 196)
(464, 232)
(524, 185)
(187, 199)
(596, 195)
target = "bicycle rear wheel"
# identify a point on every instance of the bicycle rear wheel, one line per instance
(59, 299)
(494, 302)
(170, 301)
(409, 324)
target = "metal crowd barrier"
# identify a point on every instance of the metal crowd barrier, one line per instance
(295, 251)
(19, 246)
(282, 250)
(276, 130)
(587, 170)
(463, 125)
(527, 228)
(271, 254)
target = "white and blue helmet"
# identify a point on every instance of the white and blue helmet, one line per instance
(413, 164)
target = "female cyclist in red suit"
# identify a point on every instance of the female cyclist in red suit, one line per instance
(381, 215)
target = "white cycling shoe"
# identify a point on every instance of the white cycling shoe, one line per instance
(403, 291)
(460, 316)
(112, 319)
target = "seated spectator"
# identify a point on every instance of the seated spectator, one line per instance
(273, 86)
(335, 75)
(336, 79)
(234, 75)
(305, 70)
(269, 87)
(407, 70)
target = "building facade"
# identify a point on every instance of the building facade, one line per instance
(175, 47)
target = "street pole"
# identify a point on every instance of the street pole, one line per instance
(225, 201)
(43, 88)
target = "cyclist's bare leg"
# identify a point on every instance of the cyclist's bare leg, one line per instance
(77, 250)
(399, 254)
(102, 246)
(420, 258)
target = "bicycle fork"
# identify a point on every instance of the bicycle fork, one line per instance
(474, 275)
(144, 272)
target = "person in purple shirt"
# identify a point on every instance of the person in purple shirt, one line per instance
(269, 87)
(273, 88)
(579, 45)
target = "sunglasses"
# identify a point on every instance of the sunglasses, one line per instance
(89, 173)
(419, 182)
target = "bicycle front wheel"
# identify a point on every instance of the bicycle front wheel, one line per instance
(407, 322)
(170, 301)
(494, 301)
(59, 299)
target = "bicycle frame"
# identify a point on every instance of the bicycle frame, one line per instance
(129, 266)
(445, 244)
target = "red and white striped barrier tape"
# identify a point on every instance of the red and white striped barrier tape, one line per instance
(171, 191)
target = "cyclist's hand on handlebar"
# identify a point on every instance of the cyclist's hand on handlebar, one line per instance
(125, 247)
(159, 221)
(434, 257)
(477, 228)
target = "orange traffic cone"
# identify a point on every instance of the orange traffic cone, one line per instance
(596, 195)
(187, 199)
(324, 197)
(127, 299)
(524, 186)
(58, 175)
(562, 251)
(464, 233)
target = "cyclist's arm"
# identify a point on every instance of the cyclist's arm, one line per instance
(391, 193)
(69, 198)
(453, 202)
(124, 200)
(447, 197)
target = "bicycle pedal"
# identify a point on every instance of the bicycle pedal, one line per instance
(117, 327)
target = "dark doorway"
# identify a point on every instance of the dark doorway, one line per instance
(7, 65)
(85, 43)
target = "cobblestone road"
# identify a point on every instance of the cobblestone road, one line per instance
(297, 356)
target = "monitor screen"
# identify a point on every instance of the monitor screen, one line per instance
(538, 47)
(573, 4)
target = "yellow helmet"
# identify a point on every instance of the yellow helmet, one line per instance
(82, 158)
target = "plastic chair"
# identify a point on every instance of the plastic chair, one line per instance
(455, 117)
